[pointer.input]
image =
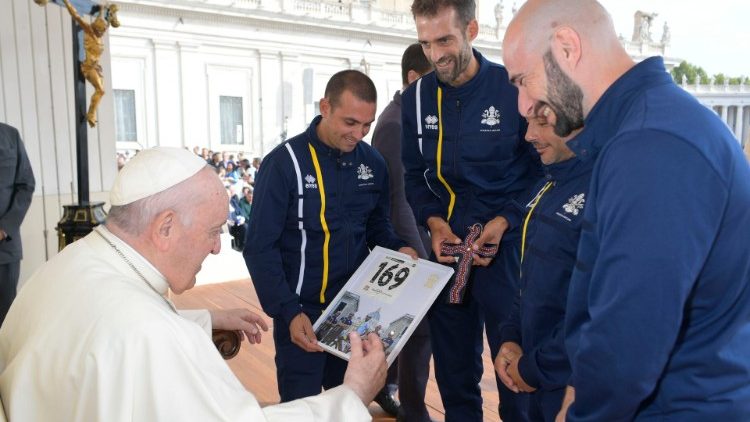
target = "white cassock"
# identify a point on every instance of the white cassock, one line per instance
(87, 340)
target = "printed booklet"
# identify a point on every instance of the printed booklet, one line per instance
(389, 294)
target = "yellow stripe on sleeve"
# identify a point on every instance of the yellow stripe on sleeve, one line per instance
(440, 154)
(534, 203)
(322, 191)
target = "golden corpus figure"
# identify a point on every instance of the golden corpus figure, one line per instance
(94, 46)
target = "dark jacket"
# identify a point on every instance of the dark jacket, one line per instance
(386, 138)
(296, 257)
(658, 317)
(16, 189)
(484, 159)
(550, 244)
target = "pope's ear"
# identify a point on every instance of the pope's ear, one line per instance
(163, 229)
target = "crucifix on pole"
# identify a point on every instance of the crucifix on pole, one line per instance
(79, 219)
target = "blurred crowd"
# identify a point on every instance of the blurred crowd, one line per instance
(238, 175)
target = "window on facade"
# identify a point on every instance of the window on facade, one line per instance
(125, 129)
(230, 113)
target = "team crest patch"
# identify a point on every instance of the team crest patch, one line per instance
(364, 172)
(575, 204)
(430, 122)
(310, 182)
(491, 117)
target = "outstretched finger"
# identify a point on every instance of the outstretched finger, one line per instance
(356, 344)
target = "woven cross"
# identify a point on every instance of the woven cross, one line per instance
(464, 257)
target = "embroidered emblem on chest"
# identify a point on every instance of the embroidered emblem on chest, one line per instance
(575, 204)
(364, 172)
(430, 122)
(310, 182)
(491, 117)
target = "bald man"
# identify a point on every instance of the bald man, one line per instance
(658, 317)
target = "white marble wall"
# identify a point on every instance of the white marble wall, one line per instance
(190, 57)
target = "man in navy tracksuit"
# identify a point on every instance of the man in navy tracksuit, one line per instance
(658, 319)
(321, 200)
(532, 357)
(464, 159)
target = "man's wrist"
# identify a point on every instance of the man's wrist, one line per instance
(435, 221)
(502, 221)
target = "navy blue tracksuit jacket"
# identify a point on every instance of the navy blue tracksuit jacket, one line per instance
(658, 316)
(550, 242)
(477, 133)
(296, 257)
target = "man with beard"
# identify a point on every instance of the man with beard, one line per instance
(465, 159)
(532, 357)
(658, 317)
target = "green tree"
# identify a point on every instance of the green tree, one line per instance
(692, 72)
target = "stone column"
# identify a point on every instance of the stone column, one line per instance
(269, 100)
(294, 101)
(725, 113)
(194, 96)
(167, 75)
(738, 122)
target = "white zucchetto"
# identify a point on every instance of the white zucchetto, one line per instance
(152, 171)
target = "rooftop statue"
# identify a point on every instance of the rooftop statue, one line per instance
(642, 26)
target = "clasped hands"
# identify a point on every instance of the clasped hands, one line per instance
(506, 365)
(440, 231)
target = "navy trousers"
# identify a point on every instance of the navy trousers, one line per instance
(300, 373)
(8, 282)
(457, 343)
(544, 405)
(410, 373)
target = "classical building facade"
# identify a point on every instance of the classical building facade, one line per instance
(242, 75)
(731, 102)
(200, 73)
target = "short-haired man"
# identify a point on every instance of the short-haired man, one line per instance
(465, 159)
(532, 357)
(658, 317)
(321, 200)
(92, 335)
(412, 369)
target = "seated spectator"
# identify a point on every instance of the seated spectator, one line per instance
(216, 160)
(232, 172)
(246, 201)
(236, 220)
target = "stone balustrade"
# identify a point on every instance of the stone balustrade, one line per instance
(356, 13)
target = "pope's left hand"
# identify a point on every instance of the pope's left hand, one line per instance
(243, 320)
(492, 233)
